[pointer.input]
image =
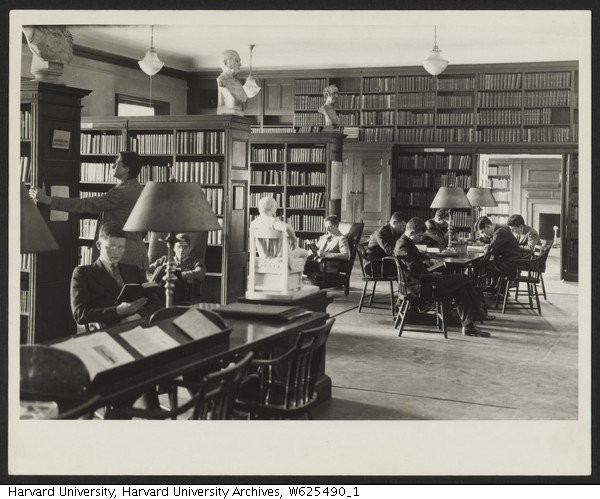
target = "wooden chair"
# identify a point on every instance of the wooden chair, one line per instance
(543, 249)
(284, 387)
(51, 374)
(408, 297)
(212, 397)
(373, 274)
(341, 278)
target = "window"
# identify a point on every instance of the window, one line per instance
(127, 105)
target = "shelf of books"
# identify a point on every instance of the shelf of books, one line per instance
(295, 169)
(45, 311)
(419, 174)
(497, 176)
(210, 150)
(570, 229)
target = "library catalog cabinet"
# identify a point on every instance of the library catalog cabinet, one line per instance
(209, 149)
(50, 116)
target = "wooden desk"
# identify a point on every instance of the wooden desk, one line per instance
(246, 335)
(317, 302)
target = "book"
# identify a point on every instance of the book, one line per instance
(149, 340)
(260, 311)
(195, 324)
(313, 247)
(131, 291)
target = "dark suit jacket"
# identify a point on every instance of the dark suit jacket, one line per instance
(406, 250)
(382, 242)
(504, 245)
(94, 292)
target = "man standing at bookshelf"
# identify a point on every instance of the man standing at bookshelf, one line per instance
(95, 288)
(113, 206)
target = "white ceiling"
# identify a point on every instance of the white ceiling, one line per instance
(193, 40)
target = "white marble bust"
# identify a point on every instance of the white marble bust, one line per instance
(331, 94)
(52, 47)
(232, 94)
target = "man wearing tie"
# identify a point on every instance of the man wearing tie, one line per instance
(332, 248)
(95, 288)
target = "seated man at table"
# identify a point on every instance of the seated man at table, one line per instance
(441, 219)
(382, 243)
(527, 237)
(503, 248)
(95, 288)
(433, 236)
(190, 272)
(456, 286)
(332, 249)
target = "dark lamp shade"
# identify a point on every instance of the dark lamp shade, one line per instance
(172, 207)
(481, 196)
(450, 197)
(35, 233)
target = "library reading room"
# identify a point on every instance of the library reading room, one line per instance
(360, 217)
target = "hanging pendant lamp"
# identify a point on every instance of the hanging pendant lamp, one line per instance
(251, 87)
(434, 64)
(151, 64)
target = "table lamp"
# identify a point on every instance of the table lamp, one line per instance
(450, 198)
(171, 207)
(35, 233)
(480, 197)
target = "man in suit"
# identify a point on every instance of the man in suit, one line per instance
(503, 248)
(527, 237)
(114, 206)
(95, 288)
(433, 236)
(332, 248)
(382, 243)
(457, 286)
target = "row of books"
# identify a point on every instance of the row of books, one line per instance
(306, 178)
(87, 228)
(461, 218)
(215, 236)
(452, 179)
(307, 154)
(96, 172)
(309, 129)
(26, 125)
(462, 234)
(205, 172)
(378, 101)
(415, 198)
(349, 119)
(379, 84)
(307, 102)
(501, 209)
(426, 100)
(500, 135)
(499, 99)
(411, 83)
(411, 118)
(560, 79)
(455, 118)
(156, 173)
(415, 135)
(537, 116)
(455, 101)
(26, 261)
(311, 200)
(498, 183)
(101, 143)
(505, 81)
(102, 173)
(439, 161)
(214, 195)
(548, 98)
(89, 194)
(454, 84)
(255, 197)
(499, 117)
(551, 134)
(273, 177)
(456, 135)
(377, 118)
(152, 143)
(422, 180)
(263, 154)
(25, 169)
(352, 132)
(348, 101)
(306, 242)
(416, 161)
(305, 119)
(205, 142)
(310, 223)
(25, 304)
(499, 170)
(272, 129)
(502, 196)
(377, 134)
(85, 255)
(310, 86)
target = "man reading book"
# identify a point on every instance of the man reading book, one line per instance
(331, 249)
(95, 288)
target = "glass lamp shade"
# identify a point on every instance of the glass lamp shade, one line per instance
(434, 64)
(450, 197)
(35, 234)
(481, 196)
(172, 207)
(251, 87)
(151, 64)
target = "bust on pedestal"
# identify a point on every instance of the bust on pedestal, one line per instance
(52, 48)
(232, 95)
(332, 120)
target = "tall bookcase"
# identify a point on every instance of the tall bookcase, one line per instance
(295, 169)
(211, 150)
(570, 210)
(419, 172)
(498, 177)
(50, 116)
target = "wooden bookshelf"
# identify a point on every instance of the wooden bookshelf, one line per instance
(498, 177)
(209, 149)
(45, 277)
(295, 169)
(419, 173)
(570, 214)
